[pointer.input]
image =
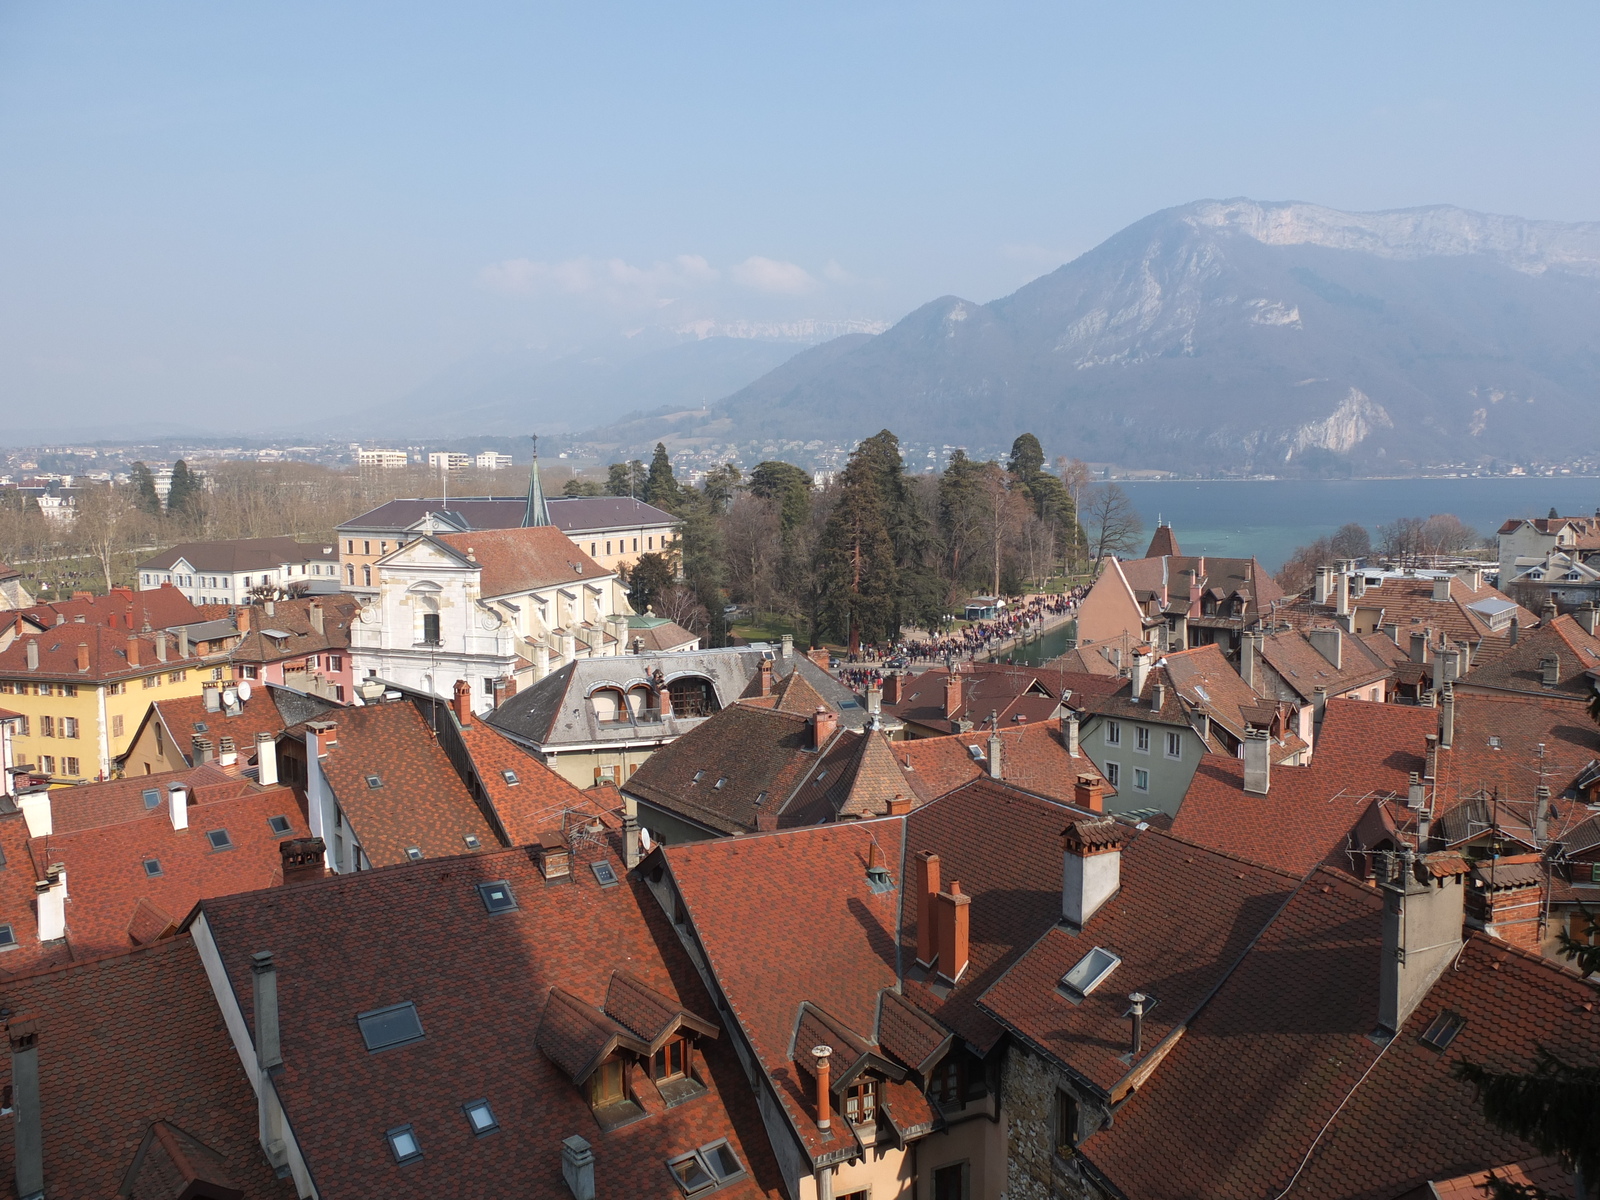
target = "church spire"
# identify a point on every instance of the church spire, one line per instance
(537, 513)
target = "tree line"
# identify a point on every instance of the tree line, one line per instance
(876, 550)
(1404, 542)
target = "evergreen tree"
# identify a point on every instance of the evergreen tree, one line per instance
(720, 485)
(661, 487)
(918, 596)
(649, 579)
(860, 582)
(582, 487)
(626, 479)
(704, 559)
(1027, 458)
(183, 497)
(788, 488)
(144, 490)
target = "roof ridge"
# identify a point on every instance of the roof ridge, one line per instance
(99, 960)
(1238, 858)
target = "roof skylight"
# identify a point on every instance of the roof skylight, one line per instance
(278, 825)
(219, 839)
(1091, 971)
(374, 782)
(414, 853)
(497, 897)
(472, 841)
(403, 1144)
(604, 874)
(8, 937)
(152, 867)
(1443, 1031)
(480, 1117)
(510, 777)
(395, 1025)
(152, 797)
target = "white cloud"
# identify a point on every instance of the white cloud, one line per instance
(772, 275)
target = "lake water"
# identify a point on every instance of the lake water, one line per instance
(1270, 517)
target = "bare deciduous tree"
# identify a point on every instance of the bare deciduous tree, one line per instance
(1111, 522)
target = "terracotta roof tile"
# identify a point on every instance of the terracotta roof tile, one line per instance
(480, 984)
(109, 1067)
(1032, 757)
(520, 560)
(540, 799)
(1519, 669)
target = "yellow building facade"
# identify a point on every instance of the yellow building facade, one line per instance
(82, 690)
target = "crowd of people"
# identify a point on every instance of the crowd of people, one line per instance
(967, 642)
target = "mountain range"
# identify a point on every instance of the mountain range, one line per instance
(1229, 335)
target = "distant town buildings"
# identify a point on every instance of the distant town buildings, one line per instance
(231, 572)
(382, 460)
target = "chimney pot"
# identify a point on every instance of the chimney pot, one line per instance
(461, 702)
(1091, 869)
(1137, 1001)
(766, 677)
(83, 656)
(133, 649)
(1257, 762)
(1088, 792)
(264, 984)
(927, 913)
(823, 722)
(954, 915)
(820, 1056)
(266, 759)
(178, 805)
(27, 1132)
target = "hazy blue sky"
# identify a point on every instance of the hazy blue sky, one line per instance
(279, 208)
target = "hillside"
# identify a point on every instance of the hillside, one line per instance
(1238, 335)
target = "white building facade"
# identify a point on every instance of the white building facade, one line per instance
(499, 608)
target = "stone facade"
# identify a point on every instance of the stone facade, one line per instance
(1034, 1171)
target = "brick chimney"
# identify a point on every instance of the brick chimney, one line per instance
(891, 688)
(303, 858)
(1257, 761)
(1422, 916)
(314, 611)
(766, 676)
(953, 906)
(27, 1132)
(820, 656)
(1088, 792)
(83, 656)
(823, 723)
(952, 696)
(241, 618)
(1091, 870)
(266, 759)
(927, 913)
(1505, 898)
(461, 702)
(900, 805)
(133, 649)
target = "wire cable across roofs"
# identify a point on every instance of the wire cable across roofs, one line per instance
(1333, 1116)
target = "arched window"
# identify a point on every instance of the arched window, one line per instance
(366, 576)
(643, 703)
(693, 696)
(609, 705)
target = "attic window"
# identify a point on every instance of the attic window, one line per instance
(200, 726)
(152, 797)
(403, 1144)
(1091, 971)
(414, 853)
(480, 1117)
(374, 782)
(497, 897)
(821, 777)
(278, 825)
(8, 938)
(152, 867)
(604, 874)
(510, 777)
(395, 1025)
(219, 839)
(717, 786)
(1443, 1031)
(1494, 743)
(472, 842)
(698, 776)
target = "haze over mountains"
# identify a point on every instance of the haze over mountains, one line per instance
(1230, 335)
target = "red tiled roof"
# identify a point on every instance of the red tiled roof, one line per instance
(1032, 757)
(1162, 543)
(1519, 669)
(1281, 1065)
(164, 607)
(1407, 601)
(540, 798)
(1304, 668)
(1006, 690)
(1363, 749)
(480, 985)
(294, 618)
(1161, 877)
(256, 715)
(108, 655)
(17, 899)
(519, 560)
(420, 800)
(106, 877)
(1521, 724)
(114, 801)
(124, 1042)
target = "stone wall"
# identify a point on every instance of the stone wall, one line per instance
(1034, 1171)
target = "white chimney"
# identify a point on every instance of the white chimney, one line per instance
(1342, 596)
(1329, 643)
(178, 804)
(1324, 584)
(1139, 672)
(1422, 915)
(266, 759)
(1070, 724)
(995, 768)
(1441, 587)
(1091, 867)
(35, 808)
(33, 653)
(51, 903)
(1257, 761)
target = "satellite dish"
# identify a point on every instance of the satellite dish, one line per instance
(230, 696)
(243, 689)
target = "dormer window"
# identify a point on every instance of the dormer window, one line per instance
(671, 1061)
(861, 1102)
(945, 1085)
(606, 1084)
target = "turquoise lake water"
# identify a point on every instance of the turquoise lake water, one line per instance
(1270, 517)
